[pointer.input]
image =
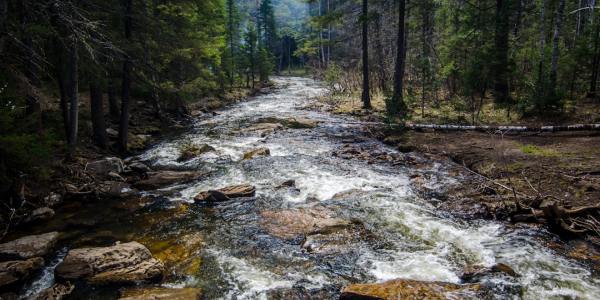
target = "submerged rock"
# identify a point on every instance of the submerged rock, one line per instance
(122, 263)
(257, 153)
(58, 291)
(293, 123)
(287, 184)
(104, 166)
(157, 293)
(29, 246)
(161, 179)
(190, 151)
(263, 129)
(226, 193)
(474, 273)
(179, 254)
(12, 272)
(410, 289)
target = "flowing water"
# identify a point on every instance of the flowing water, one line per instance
(407, 236)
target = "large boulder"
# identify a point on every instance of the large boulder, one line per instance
(58, 291)
(158, 293)
(104, 166)
(179, 253)
(226, 193)
(291, 223)
(29, 246)
(161, 179)
(257, 153)
(122, 263)
(410, 289)
(12, 272)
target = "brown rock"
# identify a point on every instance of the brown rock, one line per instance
(40, 214)
(104, 166)
(257, 153)
(226, 193)
(155, 293)
(293, 123)
(29, 246)
(291, 223)
(410, 289)
(473, 273)
(58, 291)
(287, 184)
(160, 179)
(190, 151)
(19, 270)
(122, 263)
(263, 129)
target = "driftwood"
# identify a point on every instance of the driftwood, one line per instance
(483, 128)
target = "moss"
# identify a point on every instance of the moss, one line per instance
(538, 151)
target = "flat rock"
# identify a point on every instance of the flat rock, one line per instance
(291, 223)
(259, 152)
(116, 189)
(226, 193)
(58, 291)
(293, 123)
(19, 270)
(29, 246)
(122, 263)
(263, 129)
(410, 289)
(474, 273)
(160, 179)
(104, 166)
(157, 293)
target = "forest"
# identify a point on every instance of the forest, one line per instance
(299, 149)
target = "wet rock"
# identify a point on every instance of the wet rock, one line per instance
(58, 291)
(112, 133)
(474, 273)
(257, 153)
(293, 123)
(137, 142)
(29, 246)
(104, 166)
(12, 272)
(350, 194)
(123, 263)
(160, 179)
(287, 184)
(40, 214)
(156, 293)
(406, 148)
(301, 293)
(263, 129)
(291, 223)
(115, 176)
(139, 167)
(53, 199)
(116, 189)
(179, 254)
(410, 289)
(226, 193)
(190, 151)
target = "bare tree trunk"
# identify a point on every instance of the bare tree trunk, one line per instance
(500, 67)
(380, 56)
(113, 102)
(540, 79)
(397, 105)
(366, 98)
(62, 85)
(73, 95)
(3, 17)
(97, 115)
(126, 84)
(555, 45)
(596, 60)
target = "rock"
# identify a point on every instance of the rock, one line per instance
(293, 123)
(156, 293)
(263, 129)
(112, 133)
(160, 179)
(58, 291)
(406, 148)
(257, 153)
(291, 223)
(474, 273)
(140, 167)
(190, 151)
(506, 269)
(410, 289)
(116, 189)
(40, 214)
(29, 246)
(180, 253)
(19, 270)
(301, 293)
(137, 142)
(53, 199)
(123, 263)
(104, 166)
(226, 193)
(287, 184)
(115, 176)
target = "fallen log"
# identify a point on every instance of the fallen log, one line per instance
(482, 128)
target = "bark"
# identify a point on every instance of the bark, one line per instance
(73, 88)
(113, 102)
(500, 67)
(126, 83)
(595, 60)
(555, 44)
(540, 79)
(380, 57)
(97, 115)
(62, 86)
(366, 97)
(397, 105)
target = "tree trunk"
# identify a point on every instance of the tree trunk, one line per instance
(97, 115)
(380, 57)
(540, 79)
(62, 85)
(126, 84)
(73, 89)
(500, 67)
(3, 17)
(366, 98)
(555, 45)
(595, 60)
(113, 102)
(397, 105)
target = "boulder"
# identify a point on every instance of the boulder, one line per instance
(122, 263)
(137, 142)
(179, 253)
(139, 167)
(112, 133)
(263, 129)
(474, 273)
(293, 123)
(190, 151)
(29, 246)
(287, 184)
(410, 289)
(158, 293)
(116, 189)
(226, 193)
(160, 179)
(58, 291)
(257, 153)
(40, 214)
(104, 166)
(53, 199)
(291, 223)
(19, 270)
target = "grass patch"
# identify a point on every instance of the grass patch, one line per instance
(538, 151)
